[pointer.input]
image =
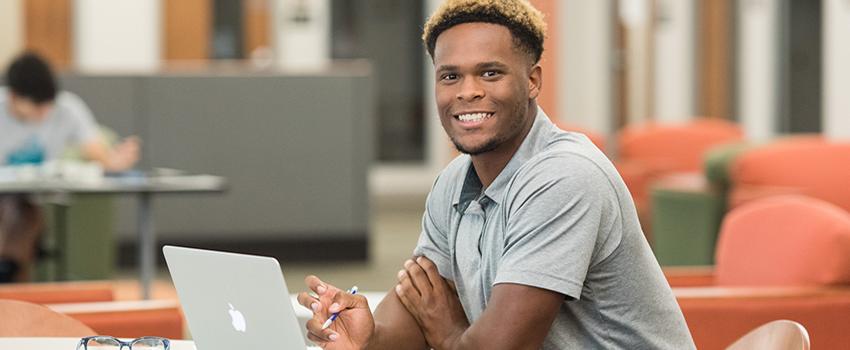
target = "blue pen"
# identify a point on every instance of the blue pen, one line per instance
(327, 323)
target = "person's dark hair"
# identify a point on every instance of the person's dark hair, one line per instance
(523, 20)
(30, 76)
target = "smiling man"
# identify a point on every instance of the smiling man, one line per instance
(529, 239)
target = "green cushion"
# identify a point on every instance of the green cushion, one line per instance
(685, 225)
(718, 160)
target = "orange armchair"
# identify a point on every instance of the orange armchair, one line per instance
(810, 165)
(648, 152)
(128, 319)
(25, 319)
(94, 304)
(782, 257)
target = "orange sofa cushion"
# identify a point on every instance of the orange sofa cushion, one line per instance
(811, 166)
(784, 240)
(24, 319)
(678, 147)
(650, 151)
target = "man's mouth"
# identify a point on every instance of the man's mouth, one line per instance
(473, 117)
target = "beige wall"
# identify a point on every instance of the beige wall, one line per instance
(674, 78)
(637, 19)
(836, 69)
(585, 73)
(11, 30)
(758, 61)
(116, 35)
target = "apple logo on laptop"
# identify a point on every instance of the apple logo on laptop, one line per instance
(236, 319)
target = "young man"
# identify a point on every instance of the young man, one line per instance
(530, 239)
(39, 123)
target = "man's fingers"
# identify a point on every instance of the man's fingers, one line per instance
(314, 328)
(418, 278)
(344, 301)
(431, 271)
(132, 139)
(404, 277)
(406, 301)
(406, 287)
(309, 301)
(316, 285)
(316, 340)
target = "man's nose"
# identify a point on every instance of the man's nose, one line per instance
(470, 90)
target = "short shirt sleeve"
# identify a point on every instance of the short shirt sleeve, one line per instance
(81, 121)
(560, 213)
(433, 240)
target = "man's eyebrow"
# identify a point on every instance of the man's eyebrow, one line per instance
(491, 64)
(444, 68)
(479, 66)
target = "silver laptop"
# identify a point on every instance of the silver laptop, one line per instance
(234, 301)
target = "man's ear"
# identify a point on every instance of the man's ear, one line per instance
(535, 81)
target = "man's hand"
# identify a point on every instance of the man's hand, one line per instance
(432, 302)
(354, 326)
(121, 157)
(125, 154)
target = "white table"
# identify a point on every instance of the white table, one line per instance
(67, 344)
(71, 343)
(142, 186)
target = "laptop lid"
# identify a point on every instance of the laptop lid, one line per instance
(233, 301)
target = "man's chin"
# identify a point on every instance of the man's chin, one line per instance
(474, 150)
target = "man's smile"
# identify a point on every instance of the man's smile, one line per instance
(473, 119)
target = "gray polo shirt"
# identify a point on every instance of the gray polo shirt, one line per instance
(70, 123)
(557, 217)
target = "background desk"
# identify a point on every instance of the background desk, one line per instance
(143, 187)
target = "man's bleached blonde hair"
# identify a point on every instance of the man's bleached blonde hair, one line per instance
(523, 20)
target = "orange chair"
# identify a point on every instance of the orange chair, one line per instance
(55, 293)
(93, 303)
(648, 152)
(23, 319)
(128, 319)
(784, 241)
(782, 257)
(811, 166)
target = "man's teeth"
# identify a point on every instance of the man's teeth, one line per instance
(474, 117)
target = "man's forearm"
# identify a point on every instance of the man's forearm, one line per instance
(395, 328)
(470, 341)
(386, 337)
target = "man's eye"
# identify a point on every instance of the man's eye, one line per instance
(450, 76)
(490, 73)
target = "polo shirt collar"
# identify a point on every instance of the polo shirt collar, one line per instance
(531, 145)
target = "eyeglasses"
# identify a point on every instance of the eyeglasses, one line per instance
(105, 342)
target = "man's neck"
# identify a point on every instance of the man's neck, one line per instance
(488, 165)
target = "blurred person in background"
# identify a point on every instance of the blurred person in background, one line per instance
(530, 239)
(38, 122)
